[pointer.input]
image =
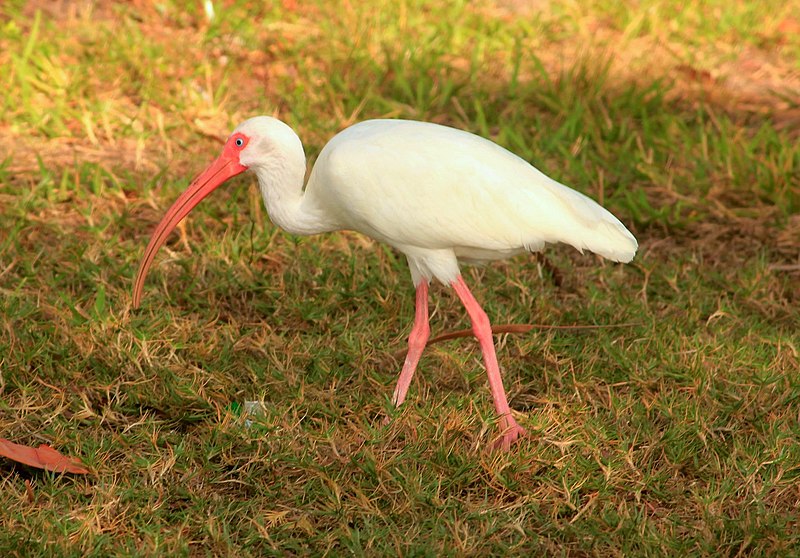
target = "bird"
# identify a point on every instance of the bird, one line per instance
(441, 196)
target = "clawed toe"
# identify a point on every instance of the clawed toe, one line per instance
(510, 434)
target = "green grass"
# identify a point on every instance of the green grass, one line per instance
(677, 435)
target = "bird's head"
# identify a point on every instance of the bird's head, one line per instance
(257, 143)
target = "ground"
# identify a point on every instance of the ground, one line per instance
(670, 429)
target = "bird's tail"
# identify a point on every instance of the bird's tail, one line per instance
(601, 233)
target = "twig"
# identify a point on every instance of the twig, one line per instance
(513, 328)
(786, 267)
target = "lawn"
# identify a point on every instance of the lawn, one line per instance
(671, 430)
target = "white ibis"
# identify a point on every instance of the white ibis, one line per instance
(440, 196)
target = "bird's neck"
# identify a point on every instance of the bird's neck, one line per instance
(281, 183)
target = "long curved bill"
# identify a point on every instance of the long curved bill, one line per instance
(210, 179)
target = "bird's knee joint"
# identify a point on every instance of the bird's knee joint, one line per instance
(419, 337)
(480, 322)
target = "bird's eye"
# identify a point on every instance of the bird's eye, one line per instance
(239, 142)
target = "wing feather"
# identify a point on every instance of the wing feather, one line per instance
(427, 186)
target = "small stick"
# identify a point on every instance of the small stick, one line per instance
(513, 328)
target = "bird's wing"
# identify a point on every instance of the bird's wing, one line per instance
(428, 186)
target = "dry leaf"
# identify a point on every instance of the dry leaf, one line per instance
(43, 457)
(789, 26)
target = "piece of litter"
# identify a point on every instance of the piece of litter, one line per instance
(253, 409)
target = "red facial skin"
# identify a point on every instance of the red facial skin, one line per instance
(225, 167)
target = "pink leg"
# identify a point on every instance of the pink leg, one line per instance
(420, 332)
(483, 331)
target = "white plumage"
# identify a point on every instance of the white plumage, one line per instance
(439, 195)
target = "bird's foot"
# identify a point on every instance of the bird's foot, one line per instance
(511, 433)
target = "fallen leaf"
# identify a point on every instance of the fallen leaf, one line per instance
(43, 457)
(789, 26)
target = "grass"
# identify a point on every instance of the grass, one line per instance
(676, 435)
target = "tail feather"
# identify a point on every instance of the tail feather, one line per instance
(602, 233)
(612, 241)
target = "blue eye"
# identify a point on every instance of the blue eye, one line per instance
(239, 142)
